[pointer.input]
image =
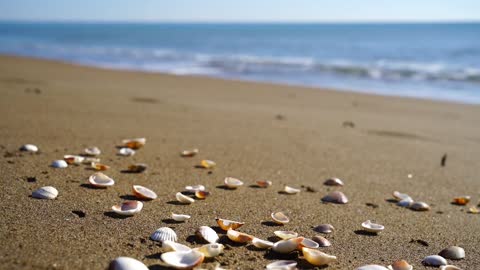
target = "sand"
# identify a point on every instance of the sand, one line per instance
(290, 135)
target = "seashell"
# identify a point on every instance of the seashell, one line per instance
(164, 234)
(126, 263)
(400, 196)
(137, 168)
(291, 190)
(125, 151)
(201, 194)
(262, 244)
(89, 160)
(372, 227)
(73, 159)
(100, 180)
(322, 241)
(183, 198)
(47, 192)
(183, 259)
(232, 183)
(287, 246)
(60, 164)
(195, 188)
(308, 243)
(169, 245)
(324, 228)
(284, 235)
(333, 182)
(239, 237)
(463, 200)
(134, 143)
(208, 234)
(453, 253)
(128, 208)
(434, 260)
(208, 164)
(407, 202)
(92, 151)
(280, 218)
(29, 148)
(371, 267)
(211, 250)
(473, 210)
(226, 224)
(450, 267)
(335, 197)
(99, 167)
(189, 153)
(264, 183)
(143, 193)
(420, 206)
(316, 257)
(400, 265)
(180, 217)
(282, 265)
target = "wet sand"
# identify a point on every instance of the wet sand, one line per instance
(289, 135)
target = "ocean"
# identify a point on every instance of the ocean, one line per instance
(432, 61)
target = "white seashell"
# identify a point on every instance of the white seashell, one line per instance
(400, 265)
(324, 228)
(372, 227)
(371, 267)
(189, 153)
(47, 192)
(291, 190)
(29, 148)
(434, 260)
(453, 253)
(128, 208)
(450, 267)
(287, 246)
(195, 188)
(316, 257)
(263, 244)
(407, 202)
(400, 196)
(335, 197)
(134, 143)
(180, 217)
(239, 237)
(280, 218)
(59, 164)
(183, 198)
(226, 224)
(282, 265)
(322, 241)
(92, 151)
(333, 182)
(169, 245)
(90, 160)
(100, 180)
(164, 234)
(143, 192)
(232, 183)
(208, 234)
(183, 259)
(420, 206)
(211, 250)
(308, 243)
(126, 263)
(73, 159)
(125, 151)
(284, 235)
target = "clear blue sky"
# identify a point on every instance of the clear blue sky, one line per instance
(241, 10)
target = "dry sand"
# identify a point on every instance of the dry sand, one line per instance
(289, 135)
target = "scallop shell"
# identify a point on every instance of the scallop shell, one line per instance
(168, 245)
(322, 241)
(400, 265)
(400, 196)
(99, 166)
(463, 200)
(291, 190)
(92, 151)
(333, 182)
(202, 194)
(239, 237)
(264, 183)
(134, 143)
(324, 228)
(47, 192)
(316, 257)
(208, 234)
(453, 253)
(208, 164)
(100, 180)
(280, 218)
(226, 224)
(434, 260)
(126, 263)
(183, 259)
(29, 148)
(284, 235)
(211, 250)
(128, 208)
(308, 243)
(232, 183)
(335, 197)
(195, 188)
(262, 244)
(125, 151)
(407, 202)
(137, 168)
(189, 153)
(420, 206)
(183, 198)
(450, 267)
(180, 217)
(73, 159)
(287, 246)
(372, 227)
(282, 265)
(371, 267)
(143, 192)
(164, 234)
(60, 164)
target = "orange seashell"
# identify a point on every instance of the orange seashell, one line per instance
(202, 194)
(100, 166)
(226, 224)
(461, 200)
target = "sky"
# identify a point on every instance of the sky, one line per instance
(241, 10)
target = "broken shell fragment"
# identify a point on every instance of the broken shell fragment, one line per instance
(333, 182)
(226, 224)
(335, 197)
(291, 190)
(59, 164)
(183, 259)
(169, 245)
(453, 253)
(164, 234)
(400, 265)
(287, 246)
(100, 180)
(263, 183)
(316, 257)
(211, 250)
(400, 196)
(473, 210)
(189, 153)
(282, 265)
(308, 243)
(420, 206)
(29, 148)
(208, 164)
(99, 166)
(180, 217)
(202, 194)
(372, 267)
(143, 192)
(134, 143)
(208, 234)
(195, 188)
(450, 267)
(463, 200)
(372, 227)
(137, 168)
(239, 237)
(47, 192)
(184, 198)
(262, 244)
(324, 228)
(125, 151)
(89, 160)
(128, 208)
(434, 260)
(322, 241)
(280, 218)
(284, 235)
(126, 263)
(92, 151)
(232, 183)
(73, 159)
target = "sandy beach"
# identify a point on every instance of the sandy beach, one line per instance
(290, 135)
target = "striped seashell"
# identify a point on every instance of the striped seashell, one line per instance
(163, 234)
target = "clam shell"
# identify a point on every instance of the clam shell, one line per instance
(262, 244)
(211, 250)
(137, 168)
(134, 143)
(143, 192)
(183, 259)
(463, 200)
(73, 159)
(202, 194)
(92, 151)
(287, 246)
(226, 224)
(195, 188)
(434, 260)
(189, 153)
(335, 197)
(264, 183)
(284, 235)
(125, 151)
(282, 265)
(400, 265)
(60, 164)
(126, 263)
(183, 198)
(232, 183)
(47, 192)
(407, 202)
(29, 148)
(450, 267)
(322, 241)
(316, 257)
(280, 218)
(239, 237)
(308, 243)
(208, 164)
(100, 180)
(291, 190)
(168, 245)
(128, 208)
(420, 206)
(453, 253)
(372, 227)
(164, 234)
(400, 196)
(333, 182)
(208, 234)
(371, 267)
(180, 217)
(324, 228)
(99, 167)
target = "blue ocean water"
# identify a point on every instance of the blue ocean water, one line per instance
(434, 61)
